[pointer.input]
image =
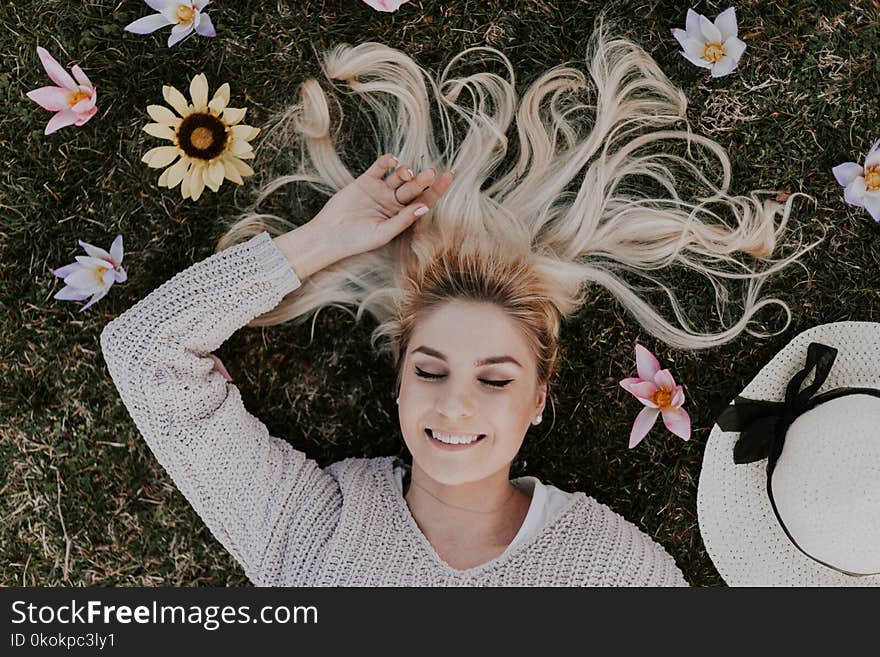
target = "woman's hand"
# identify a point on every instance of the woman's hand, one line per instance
(373, 209)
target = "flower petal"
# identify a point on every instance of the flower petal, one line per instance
(162, 115)
(161, 156)
(121, 275)
(159, 130)
(178, 32)
(81, 77)
(242, 167)
(176, 172)
(699, 61)
(726, 23)
(70, 293)
(678, 398)
(197, 183)
(872, 160)
(116, 250)
(221, 98)
(60, 120)
(198, 90)
(94, 251)
(709, 31)
(734, 48)
(66, 270)
(845, 173)
(233, 115)
(213, 174)
(205, 26)
(644, 421)
(647, 364)
(231, 172)
(100, 295)
(723, 66)
(50, 98)
(664, 380)
(692, 23)
(854, 193)
(55, 71)
(678, 422)
(148, 24)
(872, 204)
(643, 391)
(85, 116)
(176, 99)
(83, 279)
(218, 365)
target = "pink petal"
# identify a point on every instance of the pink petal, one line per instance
(218, 365)
(647, 364)
(644, 421)
(678, 422)
(60, 120)
(678, 398)
(85, 116)
(664, 380)
(55, 71)
(80, 76)
(50, 98)
(643, 390)
(385, 5)
(116, 250)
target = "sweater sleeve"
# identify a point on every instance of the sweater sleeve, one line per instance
(256, 493)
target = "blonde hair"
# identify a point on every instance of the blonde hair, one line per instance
(531, 239)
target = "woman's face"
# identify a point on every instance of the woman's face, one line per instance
(499, 400)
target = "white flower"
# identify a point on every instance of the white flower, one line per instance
(93, 274)
(862, 184)
(184, 16)
(713, 46)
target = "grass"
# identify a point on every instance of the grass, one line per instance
(84, 501)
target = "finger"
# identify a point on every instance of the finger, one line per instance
(431, 195)
(410, 190)
(402, 220)
(380, 167)
(399, 176)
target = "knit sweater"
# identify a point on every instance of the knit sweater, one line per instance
(286, 520)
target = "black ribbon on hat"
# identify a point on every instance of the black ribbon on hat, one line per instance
(763, 424)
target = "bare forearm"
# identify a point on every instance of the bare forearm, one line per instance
(306, 250)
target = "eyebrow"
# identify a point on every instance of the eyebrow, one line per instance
(485, 361)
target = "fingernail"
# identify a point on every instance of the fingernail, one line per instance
(421, 210)
(395, 160)
(410, 172)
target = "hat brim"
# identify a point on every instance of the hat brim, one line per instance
(739, 529)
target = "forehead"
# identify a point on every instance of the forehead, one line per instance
(465, 331)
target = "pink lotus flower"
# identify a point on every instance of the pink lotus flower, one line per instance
(386, 5)
(656, 389)
(92, 274)
(73, 101)
(184, 16)
(862, 184)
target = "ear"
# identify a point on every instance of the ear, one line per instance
(542, 398)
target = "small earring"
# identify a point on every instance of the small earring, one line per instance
(538, 419)
(398, 400)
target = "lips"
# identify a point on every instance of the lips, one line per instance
(430, 434)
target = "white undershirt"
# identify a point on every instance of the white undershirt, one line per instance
(546, 501)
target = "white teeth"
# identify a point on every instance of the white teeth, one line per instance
(454, 440)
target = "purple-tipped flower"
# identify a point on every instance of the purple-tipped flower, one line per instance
(92, 274)
(184, 16)
(862, 184)
(656, 389)
(711, 45)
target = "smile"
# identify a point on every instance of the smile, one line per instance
(453, 442)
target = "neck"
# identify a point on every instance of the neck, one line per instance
(479, 514)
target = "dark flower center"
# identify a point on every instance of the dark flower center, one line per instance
(202, 136)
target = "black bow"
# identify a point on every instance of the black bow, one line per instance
(763, 424)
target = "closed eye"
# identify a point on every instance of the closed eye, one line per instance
(495, 384)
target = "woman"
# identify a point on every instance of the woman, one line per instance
(468, 297)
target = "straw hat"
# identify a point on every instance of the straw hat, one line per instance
(789, 490)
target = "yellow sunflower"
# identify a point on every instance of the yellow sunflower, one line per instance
(207, 136)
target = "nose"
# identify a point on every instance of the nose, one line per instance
(454, 402)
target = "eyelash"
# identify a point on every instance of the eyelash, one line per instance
(494, 384)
